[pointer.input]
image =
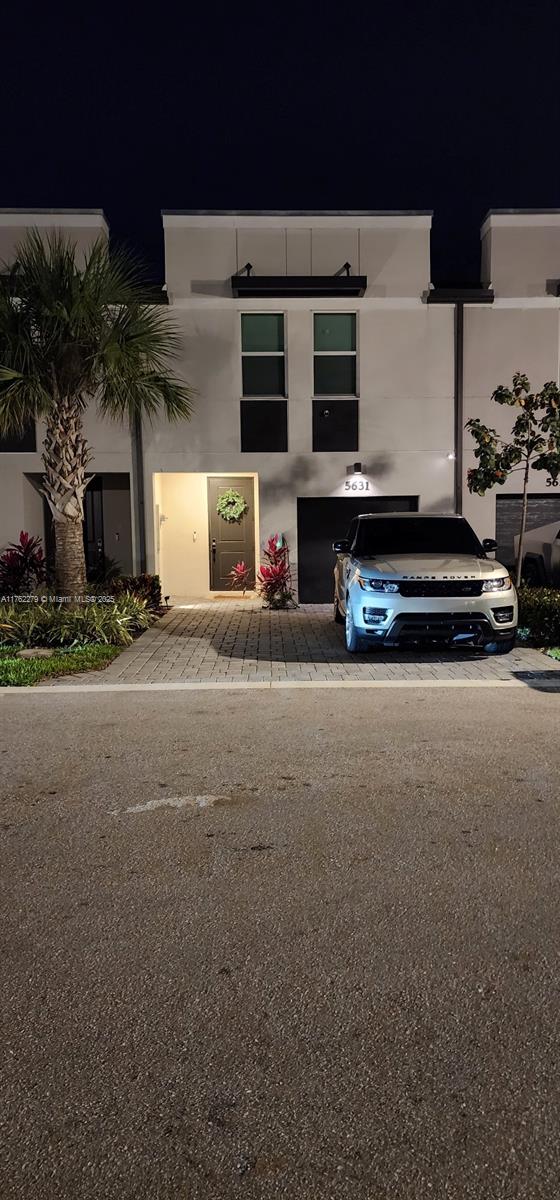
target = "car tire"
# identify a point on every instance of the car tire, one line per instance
(501, 647)
(339, 619)
(351, 637)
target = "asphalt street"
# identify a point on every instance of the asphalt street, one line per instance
(298, 944)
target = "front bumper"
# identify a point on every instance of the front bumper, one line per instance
(469, 621)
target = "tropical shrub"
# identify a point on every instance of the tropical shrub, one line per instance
(106, 571)
(240, 576)
(539, 613)
(63, 625)
(22, 566)
(144, 587)
(274, 579)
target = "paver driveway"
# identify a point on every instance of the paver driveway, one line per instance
(239, 641)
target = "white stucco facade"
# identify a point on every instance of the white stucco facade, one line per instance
(405, 372)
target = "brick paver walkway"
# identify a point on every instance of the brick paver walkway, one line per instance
(239, 641)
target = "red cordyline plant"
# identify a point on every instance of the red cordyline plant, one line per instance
(22, 566)
(275, 577)
(240, 576)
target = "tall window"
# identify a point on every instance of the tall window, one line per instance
(334, 354)
(262, 353)
(19, 443)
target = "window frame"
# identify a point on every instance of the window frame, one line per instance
(336, 353)
(263, 312)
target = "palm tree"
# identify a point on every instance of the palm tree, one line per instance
(74, 334)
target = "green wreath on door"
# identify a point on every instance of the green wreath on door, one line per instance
(231, 505)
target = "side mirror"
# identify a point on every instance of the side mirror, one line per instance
(489, 544)
(341, 547)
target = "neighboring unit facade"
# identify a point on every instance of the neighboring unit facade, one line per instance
(331, 379)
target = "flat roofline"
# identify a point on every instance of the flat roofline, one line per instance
(296, 212)
(50, 217)
(303, 219)
(520, 218)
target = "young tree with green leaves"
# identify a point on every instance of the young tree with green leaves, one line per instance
(72, 334)
(534, 445)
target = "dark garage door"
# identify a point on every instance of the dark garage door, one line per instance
(320, 523)
(541, 510)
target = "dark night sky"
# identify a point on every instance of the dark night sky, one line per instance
(449, 106)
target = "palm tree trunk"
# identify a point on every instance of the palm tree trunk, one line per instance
(65, 458)
(70, 558)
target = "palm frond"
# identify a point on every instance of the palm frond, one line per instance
(80, 330)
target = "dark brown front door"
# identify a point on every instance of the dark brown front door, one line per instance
(230, 541)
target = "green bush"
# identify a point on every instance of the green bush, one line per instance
(144, 587)
(38, 624)
(539, 612)
(23, 672)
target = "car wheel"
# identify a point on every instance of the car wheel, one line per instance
(337, 613)
(504, 647)
(352, 639)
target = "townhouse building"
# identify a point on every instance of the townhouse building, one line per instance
(331, 378)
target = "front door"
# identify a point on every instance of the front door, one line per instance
(93, 526)
(230, 541)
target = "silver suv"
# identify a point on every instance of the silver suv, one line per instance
(410, 578)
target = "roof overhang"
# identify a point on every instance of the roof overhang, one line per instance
(49, 218)
(520, 218)
(260, 286)
(464, 295)
(221, 219)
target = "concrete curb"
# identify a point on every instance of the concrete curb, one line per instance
(545, 684)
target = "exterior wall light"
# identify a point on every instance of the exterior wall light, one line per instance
(451, 456)
(357, 469)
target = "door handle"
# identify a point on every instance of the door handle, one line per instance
(214, 546)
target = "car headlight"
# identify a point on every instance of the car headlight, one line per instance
(503, 584)
(377, 585)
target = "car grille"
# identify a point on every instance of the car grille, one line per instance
(440, 587)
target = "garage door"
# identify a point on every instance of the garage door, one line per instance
(321, 522)
(541, 510)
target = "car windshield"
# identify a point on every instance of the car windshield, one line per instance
(397, 535)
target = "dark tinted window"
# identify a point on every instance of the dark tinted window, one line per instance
(433, 535)
(335, 375)
(18, 444)
(263, 376)
(335, 424)
(264, 426)
(352, 530)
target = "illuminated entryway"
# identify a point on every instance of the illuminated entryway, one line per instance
(186, 524)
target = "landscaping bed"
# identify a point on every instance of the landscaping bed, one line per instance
(539, 619)
(24, 672)
(41, 638)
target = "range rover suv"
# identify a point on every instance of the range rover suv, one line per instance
(412, 578)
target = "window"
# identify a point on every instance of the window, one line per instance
(19, 443)
(262, 354)
(379, 536)
(335, 424)
(334, 354)
(264, 426)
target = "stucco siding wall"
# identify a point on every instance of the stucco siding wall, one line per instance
(405, 405)
(525, 260)
(498, 342)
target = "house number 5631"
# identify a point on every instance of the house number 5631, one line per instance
(356, 485)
